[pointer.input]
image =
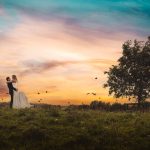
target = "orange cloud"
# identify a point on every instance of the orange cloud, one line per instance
(46, 54)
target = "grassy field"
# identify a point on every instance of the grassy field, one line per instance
(58, 129)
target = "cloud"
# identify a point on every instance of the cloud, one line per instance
(1, 11)
(40, 67)
(69, 34)
(86, 20)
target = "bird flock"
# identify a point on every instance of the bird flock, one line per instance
(92, 93)
(38, 93)
(88, 93)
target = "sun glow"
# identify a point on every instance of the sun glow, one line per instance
(61, 46)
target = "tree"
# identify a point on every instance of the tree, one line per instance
(97, 104)
(131, 77)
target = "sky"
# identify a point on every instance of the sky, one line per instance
(60, 46)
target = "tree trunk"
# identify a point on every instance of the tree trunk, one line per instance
(139, 101)
(140, 95)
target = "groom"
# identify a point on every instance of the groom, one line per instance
(11, 90)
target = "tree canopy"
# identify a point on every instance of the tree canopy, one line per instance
(131, 76)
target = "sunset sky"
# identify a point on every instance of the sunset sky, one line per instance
(60, 46)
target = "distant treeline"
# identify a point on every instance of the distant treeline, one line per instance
(99, 105)
(94, 105)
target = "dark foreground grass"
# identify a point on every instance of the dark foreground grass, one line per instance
(52, 129)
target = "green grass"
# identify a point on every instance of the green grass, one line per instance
(57, 129)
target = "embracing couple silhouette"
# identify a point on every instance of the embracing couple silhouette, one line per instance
(18, 98)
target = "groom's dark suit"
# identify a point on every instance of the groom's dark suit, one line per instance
(11, 92)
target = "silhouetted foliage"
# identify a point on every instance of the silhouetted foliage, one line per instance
(99, 105)
(131, 77)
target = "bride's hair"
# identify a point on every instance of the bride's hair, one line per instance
(14, 77)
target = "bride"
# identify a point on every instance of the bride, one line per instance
(19, 100)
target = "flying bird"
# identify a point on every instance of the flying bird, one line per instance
(96, 78)
(94, 94)
(91, 93)
(40, 100)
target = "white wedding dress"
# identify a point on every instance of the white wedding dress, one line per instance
(20, 100)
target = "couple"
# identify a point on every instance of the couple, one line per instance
(18, 99)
